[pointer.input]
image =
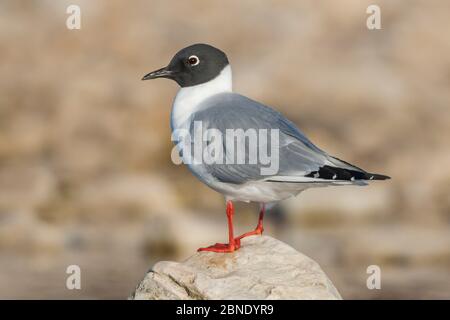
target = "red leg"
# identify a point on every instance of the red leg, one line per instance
(259, 228)
(233, 244)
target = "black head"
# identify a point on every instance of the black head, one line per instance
(192, 65)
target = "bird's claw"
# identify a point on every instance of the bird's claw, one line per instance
(223, 247)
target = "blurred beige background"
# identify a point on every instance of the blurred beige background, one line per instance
(85, 170)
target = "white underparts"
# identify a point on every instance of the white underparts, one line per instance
(188, 99)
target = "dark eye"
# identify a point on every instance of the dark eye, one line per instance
(193, 60)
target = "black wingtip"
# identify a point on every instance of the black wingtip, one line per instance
(375, 176)
(334, 173)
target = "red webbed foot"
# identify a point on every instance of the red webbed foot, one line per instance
(223, 247)
(235, 243)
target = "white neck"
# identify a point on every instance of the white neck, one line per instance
(188, 99)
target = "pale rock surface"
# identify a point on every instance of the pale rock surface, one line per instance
(264, 268)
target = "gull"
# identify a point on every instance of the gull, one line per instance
(206, 97)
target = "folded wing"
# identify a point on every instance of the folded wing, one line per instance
(299, 160)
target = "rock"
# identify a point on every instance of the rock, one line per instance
(264, 268)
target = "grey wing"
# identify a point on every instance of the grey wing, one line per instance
(295, 155)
